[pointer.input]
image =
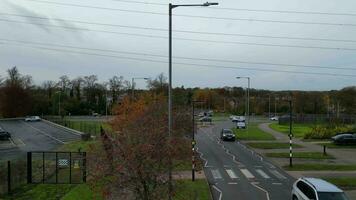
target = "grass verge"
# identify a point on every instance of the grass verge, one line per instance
(335, 146)
(272, 145)
(304, 155)
(298, 130)
(252, 133)
(320, 167)
(188, 190)
(343, 182)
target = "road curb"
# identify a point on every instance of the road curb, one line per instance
(75, 132)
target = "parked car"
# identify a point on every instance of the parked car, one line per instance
(275, 118)
(4, 135)
(238, 119)
(232, 116)
(205, 119)
(241, 125)
(32, 119)
(345, 138)
(227, 134)
(316, 189)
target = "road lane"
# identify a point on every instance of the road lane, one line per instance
(256, 177)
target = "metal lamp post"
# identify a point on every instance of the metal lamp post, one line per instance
(247, 98)
(170, 8)
(133, 84)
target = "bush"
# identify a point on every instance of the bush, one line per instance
(326, 132)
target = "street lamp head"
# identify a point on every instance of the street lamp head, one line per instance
(210, 4)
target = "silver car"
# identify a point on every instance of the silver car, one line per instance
(316, 189)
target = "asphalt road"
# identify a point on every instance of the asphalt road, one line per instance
(33, 136)
(235, 172)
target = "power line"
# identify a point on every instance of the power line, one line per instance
(190, 64)
(250, 10)
(194, 16)
(177, 57)
(182, 31)
(183, 39)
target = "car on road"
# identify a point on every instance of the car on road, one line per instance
(205, 119)
(316, 189)
(241, 125)
(344, 138)
(32, 119)
(227, 134)
(238, 119)
(4, 135)
(275, 118)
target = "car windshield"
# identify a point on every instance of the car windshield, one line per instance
(227, 132)
(332, 196)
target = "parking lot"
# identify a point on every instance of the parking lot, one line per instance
(32, 136)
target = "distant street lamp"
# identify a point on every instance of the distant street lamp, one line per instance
(171, 7)
(247, 98)
(133, 84)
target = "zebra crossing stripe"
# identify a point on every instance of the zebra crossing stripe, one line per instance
(231, 174)
(216, 174)
(262, 173)
(247, 173)
(277, 174)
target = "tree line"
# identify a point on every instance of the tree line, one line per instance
(85, 95)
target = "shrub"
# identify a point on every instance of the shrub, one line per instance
(326, 132)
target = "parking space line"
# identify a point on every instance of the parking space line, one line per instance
(42, 132)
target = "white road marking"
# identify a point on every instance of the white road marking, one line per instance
(270, 165)
(216, 174)
(12, 141)
(267, 194)
(231, 173)
(22, 143)
(262, 173)
(247, 173)
(232, 183)
(258, 166)
(277, 174)
(220, 192)
(42, 132)
(201, 156)
(276, 183)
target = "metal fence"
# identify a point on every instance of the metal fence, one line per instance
(56, 167)
(12, 175)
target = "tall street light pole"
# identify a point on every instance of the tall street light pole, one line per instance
(133, 84)
(248, 97)
(171, 7)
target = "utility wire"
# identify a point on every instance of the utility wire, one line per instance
(181, 38)
(249, 10)
(194, 16)
(177, 57)
(182, 31)
(190, 64)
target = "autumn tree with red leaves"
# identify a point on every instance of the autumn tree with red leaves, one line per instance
(134, 159)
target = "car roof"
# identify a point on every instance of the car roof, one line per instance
(321, 185)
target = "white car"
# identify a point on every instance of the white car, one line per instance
(316, 189)
(241, 125)
(275, 118)
(33, 119)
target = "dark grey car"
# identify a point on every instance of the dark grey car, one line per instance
(227, 134)
(344, 138)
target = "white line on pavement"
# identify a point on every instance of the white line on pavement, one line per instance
(277, 174)
(216, 174)
(267, 194)
(42, 132)
(247, 173)
(262, 173)
(231, 174)
(220, 192)
(205, 160)
(276, 183)
(232, 183)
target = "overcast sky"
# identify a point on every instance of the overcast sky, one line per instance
(49, 61)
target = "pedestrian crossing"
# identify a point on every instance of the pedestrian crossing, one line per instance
(250, 174)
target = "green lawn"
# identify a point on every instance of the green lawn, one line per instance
(82, 192)
(335, 146)
(220, 116)
(272, 145)
(188, 190)
(343, 182)
(252, 133)
(298, 130)
(74, 146)
(320, 167)
(304, 155)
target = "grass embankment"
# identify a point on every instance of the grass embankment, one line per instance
(252, 133)
(188, 190)
(272, 145)
(335, 146)
(320, 167)
(304, 155)
(220, 116)
(298, 130)
(343, 182)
